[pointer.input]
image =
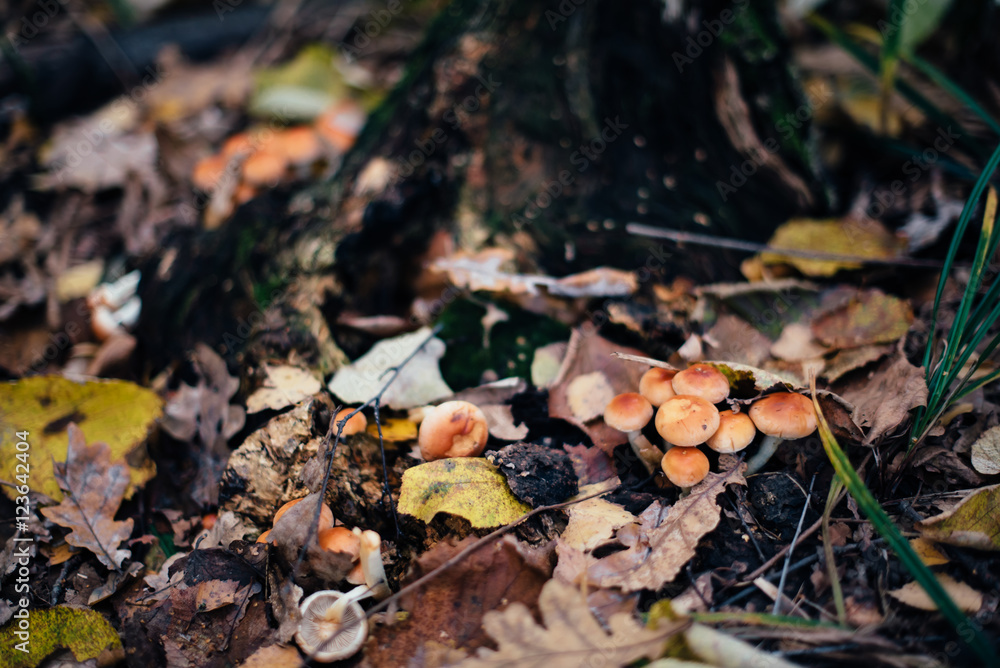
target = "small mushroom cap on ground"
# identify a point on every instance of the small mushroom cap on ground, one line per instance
(687, 421)
(325, 514)
(735, 432)
(263, 538)
(264, 168)
(685, 467)
(346, 635)
(340, 539)
(628, 412)
(656, 385)
(355, 425)
(453, 429)
(702, 380)
(300, 145)
(785, 415)
(208, 172)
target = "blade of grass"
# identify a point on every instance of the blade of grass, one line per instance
(759, 619)
(967, 631)
(831, 565)
(889, 62)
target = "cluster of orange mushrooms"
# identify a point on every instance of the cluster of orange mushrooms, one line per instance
(687, 416)
(265, 158)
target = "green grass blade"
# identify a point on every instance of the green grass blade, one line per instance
(967, 631)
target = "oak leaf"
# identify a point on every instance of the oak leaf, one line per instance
(666, 538)
(94, 488)
(570, 636)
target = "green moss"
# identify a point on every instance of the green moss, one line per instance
(84, 632)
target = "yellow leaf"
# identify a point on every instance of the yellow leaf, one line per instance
(866, 238)
(974, 522)
(115, 412)
(395, 429)
(469, 487)
(928, 553)
(84, 632)
(965, 597)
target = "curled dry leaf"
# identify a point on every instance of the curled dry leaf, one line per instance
(665, 539)
(883, 400)
(569, 633)
(94, 488)
(965, 597)
(986, 452)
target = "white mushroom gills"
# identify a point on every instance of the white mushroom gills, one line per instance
(333, 626)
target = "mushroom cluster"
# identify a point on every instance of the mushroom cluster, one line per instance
(687, 415)
(264, 158)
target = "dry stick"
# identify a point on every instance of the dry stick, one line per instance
(314, 525)
(641, 230)
(386, 490)
(791, 547)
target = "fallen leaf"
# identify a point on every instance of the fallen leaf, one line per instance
(500, 421)
(586, 354)
(545, 363)
(974, 522)
(465, 486)
(848, 236)
(986, 452)
(588, 395)
(796, 344)
(592, 465)
(666, 538)
(734, 339)
(569, 632)
(593, 522)
(850, 359)
(284, 386)
(114, 412)
(83, 632)
(868, 318)
(883, 400)
(273, 656)
(394, 429)
(215, 594)
(94, 489)
(452, 610)
(928, 552)
(418, 383)
(965, 597)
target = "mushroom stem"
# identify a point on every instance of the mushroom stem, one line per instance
(371, 564)
(335, 613)
(649, 454)
(767, 449)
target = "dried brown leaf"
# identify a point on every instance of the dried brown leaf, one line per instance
(965, 597)
(666, 540)
(570, 634)
(883, 400)
(94, 489)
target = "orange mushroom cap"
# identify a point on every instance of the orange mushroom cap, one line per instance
(685, 467)
(340, 539)
(355, 425)
(453, 429)
(656, 385)
(702, 380)
(628, 412)
(686, 420)
(300, 145)
(785, 415)
(325, 514)
(264, 168)
(208, 172)
(736, 431)
(263, 538)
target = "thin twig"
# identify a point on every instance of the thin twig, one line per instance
(791, 547)
(641, 230)
(314, 525)
(386, 489)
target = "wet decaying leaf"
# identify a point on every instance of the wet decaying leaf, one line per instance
(974, 522)
(870, 317)
(568, 634)
(664, 540)
(536, 475)
(94, 488)
(451, 611)
(465, 486)
(113, 412)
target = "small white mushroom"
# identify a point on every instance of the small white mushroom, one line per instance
(333, 626)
